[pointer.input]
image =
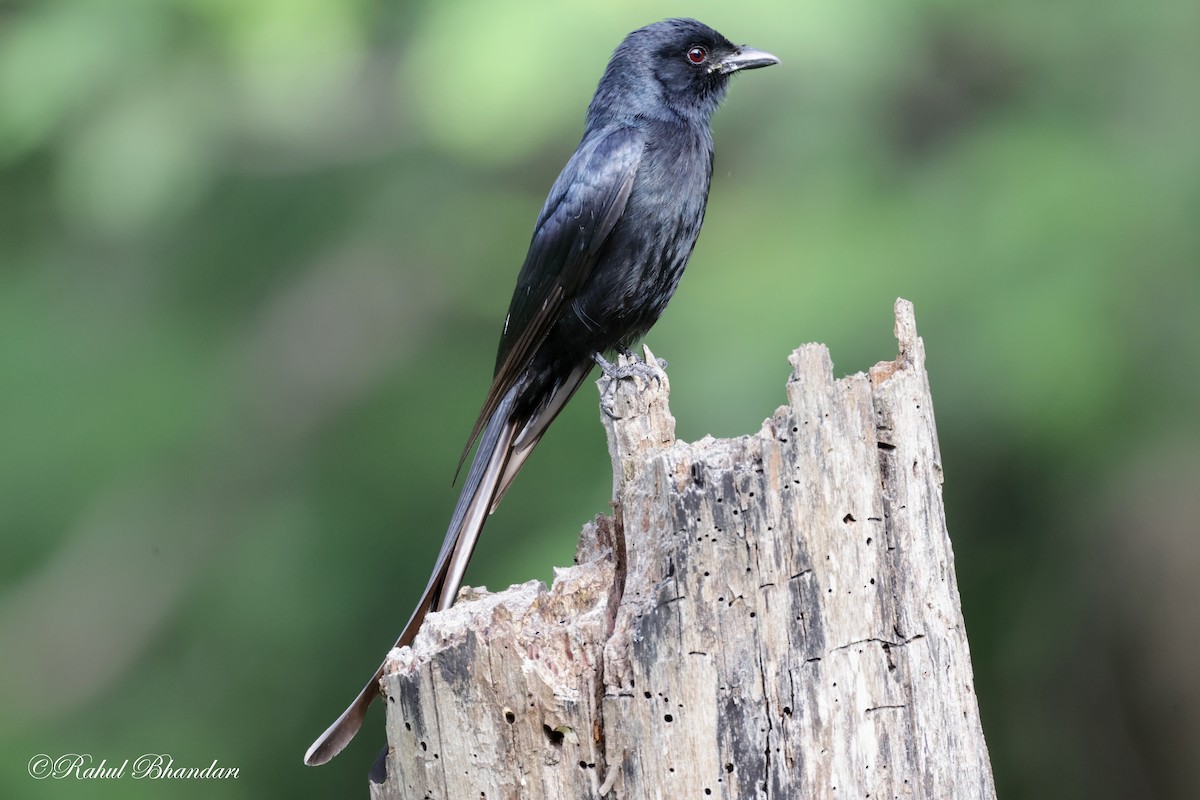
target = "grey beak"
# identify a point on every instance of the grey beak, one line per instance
(745, 58)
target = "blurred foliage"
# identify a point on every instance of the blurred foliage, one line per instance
(253, 261)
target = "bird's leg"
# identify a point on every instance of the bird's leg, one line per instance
(607, 367)
(630, 367)
(634, 368)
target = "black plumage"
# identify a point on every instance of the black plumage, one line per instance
(606, 255)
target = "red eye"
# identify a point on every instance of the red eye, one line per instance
(697, 55)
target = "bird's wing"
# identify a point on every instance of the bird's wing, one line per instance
(581, 211)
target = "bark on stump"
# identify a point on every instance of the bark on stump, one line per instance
(769, 616)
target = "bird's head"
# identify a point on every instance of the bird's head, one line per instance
(677, 67)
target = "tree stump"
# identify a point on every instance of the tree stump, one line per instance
(769, 616)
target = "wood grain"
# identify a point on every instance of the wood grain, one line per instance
(774, 615)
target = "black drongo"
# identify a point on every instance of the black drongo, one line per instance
(606, 255)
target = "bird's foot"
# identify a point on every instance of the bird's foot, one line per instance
(628, 367)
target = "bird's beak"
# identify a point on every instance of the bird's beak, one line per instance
(744, 58)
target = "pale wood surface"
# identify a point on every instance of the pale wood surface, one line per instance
(774, 615)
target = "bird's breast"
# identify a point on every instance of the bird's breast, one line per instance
(640, 265)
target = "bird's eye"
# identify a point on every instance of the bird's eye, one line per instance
(697, 55)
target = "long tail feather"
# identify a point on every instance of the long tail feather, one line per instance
(474, 505)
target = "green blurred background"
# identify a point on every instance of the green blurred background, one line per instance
(254, 257)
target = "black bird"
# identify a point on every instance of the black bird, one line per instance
(606, 255)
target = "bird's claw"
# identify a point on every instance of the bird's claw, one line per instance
(608, 405)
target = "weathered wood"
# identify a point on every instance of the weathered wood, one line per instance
(774, 615)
